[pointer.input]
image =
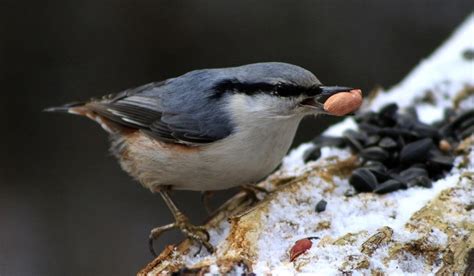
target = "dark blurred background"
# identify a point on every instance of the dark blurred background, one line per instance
(66, 208)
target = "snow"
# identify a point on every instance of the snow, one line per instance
(429, 114)
(338, 129)
(293, 163)
(293, 218)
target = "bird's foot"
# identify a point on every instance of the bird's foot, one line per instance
(193, 232)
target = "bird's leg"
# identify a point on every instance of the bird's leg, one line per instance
(205, 199)
(197, 233)
(253, 190)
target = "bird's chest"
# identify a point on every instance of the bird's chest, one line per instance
(250, 155)
(244, 157)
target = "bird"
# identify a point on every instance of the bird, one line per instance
(206, 130)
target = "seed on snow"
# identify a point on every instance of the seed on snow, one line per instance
(321, 206)
(300, 247)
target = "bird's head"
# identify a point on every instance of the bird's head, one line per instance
(274, 90)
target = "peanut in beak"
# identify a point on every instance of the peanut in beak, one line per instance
(343, 103)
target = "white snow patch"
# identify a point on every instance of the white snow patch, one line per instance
(338, 129)
(429, 114)
(293, 162)
(295, 218)
(329, 152)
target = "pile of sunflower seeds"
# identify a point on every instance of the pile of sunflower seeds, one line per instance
(396, 150)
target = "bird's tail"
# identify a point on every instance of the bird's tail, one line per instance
(84, 109)
(73, 108)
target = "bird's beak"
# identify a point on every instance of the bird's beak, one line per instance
(317, 102)
(328, 91)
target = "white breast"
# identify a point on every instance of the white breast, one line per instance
(252, 152)
(248, 156)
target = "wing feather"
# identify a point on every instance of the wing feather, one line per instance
(143, 108)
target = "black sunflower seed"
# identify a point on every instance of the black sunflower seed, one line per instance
(321, 206)
(412, 173)
(468, 54)
(464, 116)
(378, 170)
(424, 130)
(467, 132)
(416, 151)
(389, 110)
(419, 165)
(399, 151)
(400, 142)
(372, 140)
(368, 117)
(467, 123)
(389, 186)
(394, 159)
(405, 121)
(441, 161)
(369, 128)
(388, 143)
(363, 180)
(360, 136)
(354, 139)
(376, 164)
(312, 154)
(422, 181)
(374, 153)
(448, 128)
(396, 132)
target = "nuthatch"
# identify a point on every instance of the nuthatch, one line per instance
(207, 130)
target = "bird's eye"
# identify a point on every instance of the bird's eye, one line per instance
(277, 90)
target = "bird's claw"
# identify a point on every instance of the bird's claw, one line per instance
(193, 232)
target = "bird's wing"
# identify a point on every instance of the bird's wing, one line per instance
(150, 109)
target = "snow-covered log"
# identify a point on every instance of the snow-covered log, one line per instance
(417, 230)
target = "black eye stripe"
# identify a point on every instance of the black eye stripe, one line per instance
(280, 89)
